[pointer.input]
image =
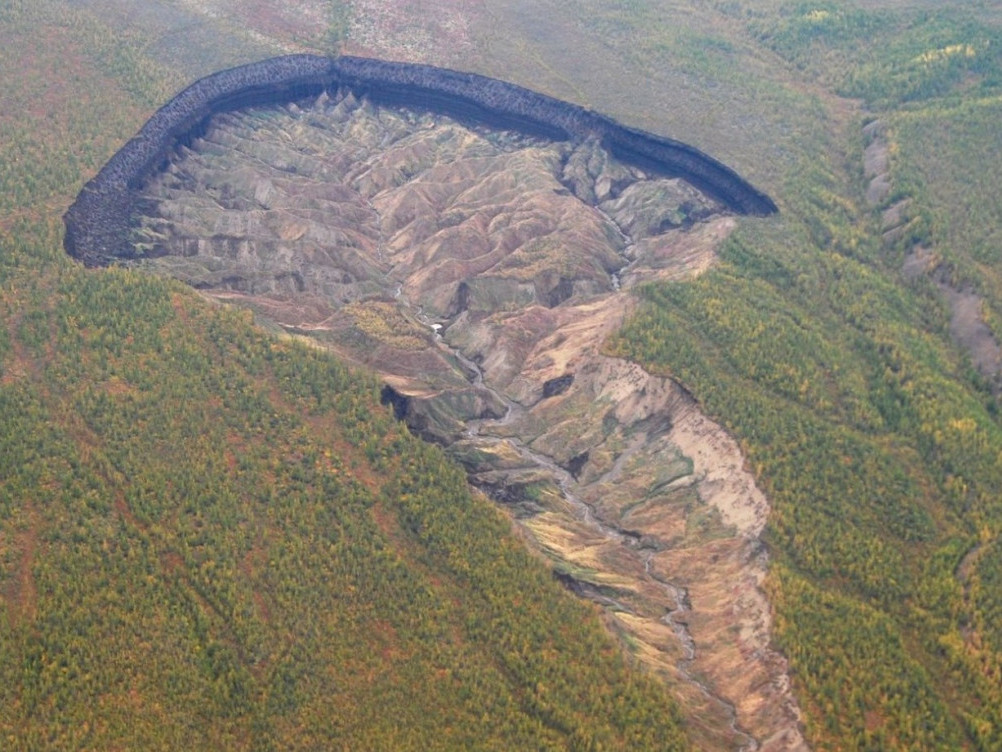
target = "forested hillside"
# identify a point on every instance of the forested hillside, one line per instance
(832, 345)
(212, 539)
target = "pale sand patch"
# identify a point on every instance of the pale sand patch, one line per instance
(724, 481)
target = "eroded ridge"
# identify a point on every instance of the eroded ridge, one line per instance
(478, 272)
(97, 224)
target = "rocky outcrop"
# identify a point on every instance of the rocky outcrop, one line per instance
(97, 224)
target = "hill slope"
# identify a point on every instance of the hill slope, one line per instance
(213, 539)
(831, 341)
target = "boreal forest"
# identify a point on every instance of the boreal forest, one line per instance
(493, 507)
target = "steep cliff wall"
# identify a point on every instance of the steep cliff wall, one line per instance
(97, 224)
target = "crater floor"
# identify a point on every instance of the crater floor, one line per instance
(479, 273)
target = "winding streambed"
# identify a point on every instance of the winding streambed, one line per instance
(675, 616)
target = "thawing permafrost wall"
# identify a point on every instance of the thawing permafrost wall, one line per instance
(97, 224)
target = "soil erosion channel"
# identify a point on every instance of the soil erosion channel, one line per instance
(479, 272)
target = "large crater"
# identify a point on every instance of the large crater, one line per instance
(318, 210)
(478, 267)
(478, 272)
(97, 222)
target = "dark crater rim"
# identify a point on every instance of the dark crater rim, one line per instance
(98, 222)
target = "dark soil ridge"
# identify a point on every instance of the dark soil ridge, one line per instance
(99, 221)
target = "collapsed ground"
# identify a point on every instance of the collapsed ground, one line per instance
(479, 273)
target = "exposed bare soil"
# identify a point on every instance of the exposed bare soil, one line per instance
(480, 273)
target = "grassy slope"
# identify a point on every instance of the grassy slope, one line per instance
(210, 539)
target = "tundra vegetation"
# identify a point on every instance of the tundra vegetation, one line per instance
(173, 572)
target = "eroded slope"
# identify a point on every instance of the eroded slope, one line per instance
(479, 273)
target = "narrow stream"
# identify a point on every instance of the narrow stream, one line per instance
(674, 617)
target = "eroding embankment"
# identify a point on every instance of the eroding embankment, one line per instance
(98, 222)
(478, 273)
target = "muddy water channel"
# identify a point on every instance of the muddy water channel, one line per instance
(479, 274)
